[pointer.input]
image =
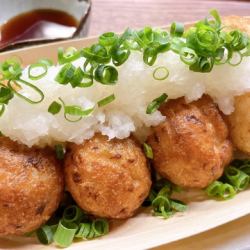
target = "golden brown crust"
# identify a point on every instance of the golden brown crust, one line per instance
(108, 178)
(191, 147)
(31, 186)
(239, 121)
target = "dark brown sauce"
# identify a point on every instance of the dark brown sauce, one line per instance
(38, 24)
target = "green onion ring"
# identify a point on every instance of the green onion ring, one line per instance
(45, 235)
(84, 230)
(177, 29)
(106, 100)
(100, 227)
(36, 89)
(156, 103)
(158, 70)
(34, 66)
(65, 233)
(72, 214)
(148, 151)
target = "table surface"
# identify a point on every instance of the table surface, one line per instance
(116, 15)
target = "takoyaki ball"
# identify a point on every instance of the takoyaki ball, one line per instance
(108, 178)
(31, 187)
(191, 147)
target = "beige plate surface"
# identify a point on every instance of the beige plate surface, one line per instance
(142, 231)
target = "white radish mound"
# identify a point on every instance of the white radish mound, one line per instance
(32, 124)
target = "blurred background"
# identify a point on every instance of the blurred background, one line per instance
(29, 22)
(116, 15)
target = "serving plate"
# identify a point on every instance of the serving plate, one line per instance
(143, 231)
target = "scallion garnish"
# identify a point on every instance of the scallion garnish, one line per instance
(45, 235)
(148, 151)
(37, 67)
(81, 79)
(108, 39)
(75, 110)
(46, 61)
(106, 100)
(72, 223)
(160, 199)
(100, 227)
(177, 29)
(71, 54)
(237, 178)
(106, 74)
(65, 233)
(66, 73)
(160, 73)
(54, 108)
(156, 103)
(60, 151)
(72, 214)
(18, 83)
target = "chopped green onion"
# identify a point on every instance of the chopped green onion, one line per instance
(177, 29)
(106, 100)
(188, 56)
(71, 54)
(5, 95)
(238, 60)
(2, 106)
(239, 40)
(162, 206)
(54, 108)
(108, 39)
(45, 235)
(237, 178)
(119, 55)
(227, 191)
(11, 69)
(245, 167)
(46, 61)
(203, 64)
(148, 151)
(83, 231)
(97, 53)
(150, 55)
(220, 190)
(213, 189)
(156, 103)
(178, 206)
(65, 233)
(60, 151)
(36, 89)
(106, 74)
(35, 67)
(100, 227)
(160, 73)
(66, 73)
(75, 110)
(72, 214)
(81, 79)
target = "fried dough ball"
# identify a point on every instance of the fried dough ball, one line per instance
(108, 178)
(191, 147)
(31, 186)
(239, 122)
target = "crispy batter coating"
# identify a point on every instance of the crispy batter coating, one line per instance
(240, 123)
(108, 178)
(191, 147)
(31, 186)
